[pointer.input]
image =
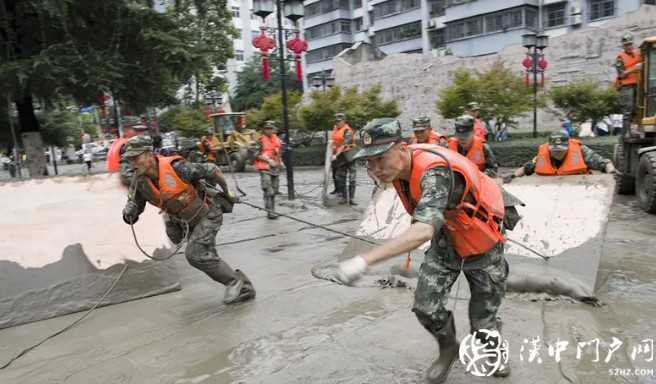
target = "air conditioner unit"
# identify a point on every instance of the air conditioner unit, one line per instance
(575, 14)
(370, 7)
(371, 33)
(575, 19)
(432, 24)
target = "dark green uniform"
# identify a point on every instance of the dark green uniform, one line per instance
(593, 161)
(485, 273)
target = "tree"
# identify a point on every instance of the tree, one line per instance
(251, 88)
(271, 109)
(501, 94)
(57, 126)
(189, 121)
(359, 107)
(54, 48)
(585, 99)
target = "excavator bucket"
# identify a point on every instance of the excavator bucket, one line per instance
(64, 242)
(564, 219)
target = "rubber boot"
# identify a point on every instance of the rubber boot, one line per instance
(449, 346)
(352, 194)
(246, 291)
(272, 207)
(228, 277)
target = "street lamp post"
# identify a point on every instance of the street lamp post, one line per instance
(535, 63)
(293, 10)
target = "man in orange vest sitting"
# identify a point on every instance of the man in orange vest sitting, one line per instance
(472, 110)
(173, 185)
(209, 144)
(563, 156)
(268, 162)
(628, 65)
(473, 147)
(463, 240)
(424, 133)
(114, 162)
(342, 164)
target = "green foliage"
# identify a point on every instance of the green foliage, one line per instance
(251, 89)
(501, 94)
(56, 126)
(586, 99)
(189, 121)
(359, 107)
(271, 109)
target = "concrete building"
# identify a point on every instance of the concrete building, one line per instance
(440, 27)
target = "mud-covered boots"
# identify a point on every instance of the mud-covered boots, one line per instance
(351, 194)
(269, 204)
(446, 338)
(240, 290)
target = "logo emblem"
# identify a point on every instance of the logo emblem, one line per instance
(482, 359)
(168, 179)
(366, 138)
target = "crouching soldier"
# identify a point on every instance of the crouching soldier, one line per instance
(176, 187)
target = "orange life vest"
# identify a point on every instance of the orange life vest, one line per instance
(271, 149)
(173, 195)
(479, 131)
(338, 138)
(213, 145)
(573, 164)
(473, 226)
(630, 62)
(475, 154)
(113, 162)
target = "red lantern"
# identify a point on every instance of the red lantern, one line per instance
(528, 62)
(298, 46)
(264, 43)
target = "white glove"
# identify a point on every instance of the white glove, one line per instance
(350, 270)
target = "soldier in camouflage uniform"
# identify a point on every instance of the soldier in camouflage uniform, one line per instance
(188, 148)
(268, 162)
(343, 165)
(628, 65)
(466, 143)
(192, 209)
(126, 171)
(391, 160)
(560, 149)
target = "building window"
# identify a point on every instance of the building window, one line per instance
(392, 7)
(649, 2)
(531, 17)
(555, 14)
(328, 29)
(437, 7)
(494, 22)
(437, 38)
(235, 11)
(325, 53)
(325, 6)
(239, 55)
(400, 33)
(357, 4)
(600, 9)
(473, 27)
(357, 24)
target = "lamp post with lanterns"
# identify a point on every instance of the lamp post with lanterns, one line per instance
(293, 10)
(535, 63)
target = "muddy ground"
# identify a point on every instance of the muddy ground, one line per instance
(303, 330)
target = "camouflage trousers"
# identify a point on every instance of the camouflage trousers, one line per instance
(201, 244)
(627, 101)
(343, 170)
(270, 182)
(486, 275)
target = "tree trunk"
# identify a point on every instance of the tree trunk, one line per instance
(31, 137)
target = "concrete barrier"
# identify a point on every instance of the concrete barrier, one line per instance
(63, 242)
(564, 218)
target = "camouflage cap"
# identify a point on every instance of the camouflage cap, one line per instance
(137, 145)
(269, 124)
(473, 106)
(464, 125)
(558, 141)
(340, 116)
(139, 127)
(378, 136)
(627, 38)
(420, 123)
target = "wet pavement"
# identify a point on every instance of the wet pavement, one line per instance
(303, 330)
